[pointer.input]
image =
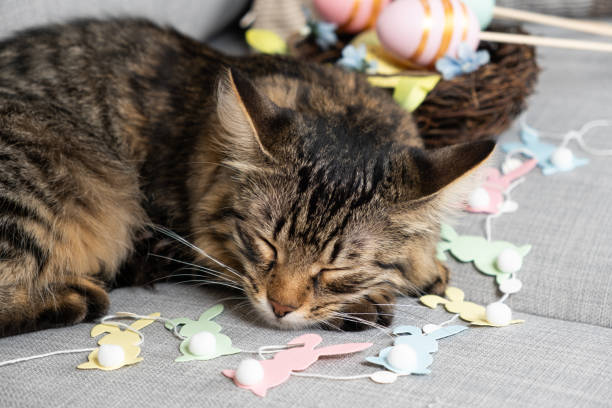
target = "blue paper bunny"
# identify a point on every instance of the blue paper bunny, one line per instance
(423, 345)
(530, 140)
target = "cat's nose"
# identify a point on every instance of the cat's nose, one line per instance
(280, 310)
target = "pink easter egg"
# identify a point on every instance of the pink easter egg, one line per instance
(422, 31)
(351, 16)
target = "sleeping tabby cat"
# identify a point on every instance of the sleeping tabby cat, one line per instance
(312, 186)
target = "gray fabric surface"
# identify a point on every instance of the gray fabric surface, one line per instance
(542, 363)
(199, 19)
(559, 358)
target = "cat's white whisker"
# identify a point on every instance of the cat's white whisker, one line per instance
(208, 282)
(198, 267)
(180, 239)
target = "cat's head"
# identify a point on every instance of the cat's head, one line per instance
(335, 206)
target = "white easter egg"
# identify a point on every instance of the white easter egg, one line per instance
(562, 158)
(509, 261)
(403, 358)
(479, 199)
(498, 314)
(202, 344)
(249, 372)
(111, 355)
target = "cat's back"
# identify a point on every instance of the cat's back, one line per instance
(127, 79)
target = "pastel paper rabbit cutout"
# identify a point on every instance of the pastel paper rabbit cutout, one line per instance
(204, 323)
(423, 344)
(128, 340)
(468, 311)
(469, 248)
(543, 151)
(278, 369)
(496, 185)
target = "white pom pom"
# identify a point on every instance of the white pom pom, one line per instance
(562, 158)
(403, 358)
(110, 355)
(509, 261)
(511, 164)
(249, 372)
(479, 199)
(202, 344)
(498, 314)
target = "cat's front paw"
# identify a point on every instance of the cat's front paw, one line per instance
(438, 284)
(59, 304)
(375, 311)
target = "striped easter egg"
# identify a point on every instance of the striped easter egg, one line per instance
(352, 16)
(422, 31)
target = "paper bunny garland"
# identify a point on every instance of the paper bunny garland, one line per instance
(495, 186)
(543, 152)
(189, 328)
(468, 311)
(422, 344)
(278, 369)
(129, 341)
(484, 254)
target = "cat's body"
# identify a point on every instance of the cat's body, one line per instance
(303, 178)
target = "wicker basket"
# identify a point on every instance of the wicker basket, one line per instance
(480, 105)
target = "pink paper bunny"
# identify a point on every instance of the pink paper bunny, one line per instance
(278, 370)
(496, 184)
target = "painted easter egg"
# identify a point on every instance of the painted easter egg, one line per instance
(422, 31)
(352, 16)
(483, 9)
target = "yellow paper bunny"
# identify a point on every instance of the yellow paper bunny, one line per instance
(468, 311)
(126, 339)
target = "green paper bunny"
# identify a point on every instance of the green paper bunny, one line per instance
(204, 323)
(468, 248)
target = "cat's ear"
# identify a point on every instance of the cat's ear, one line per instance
(254, 124)
(425, 173)
(444, 167)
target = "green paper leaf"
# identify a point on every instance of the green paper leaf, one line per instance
(266, 41)
(410, 92)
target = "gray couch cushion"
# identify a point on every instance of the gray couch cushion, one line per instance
(199, 19)
(542, 363)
